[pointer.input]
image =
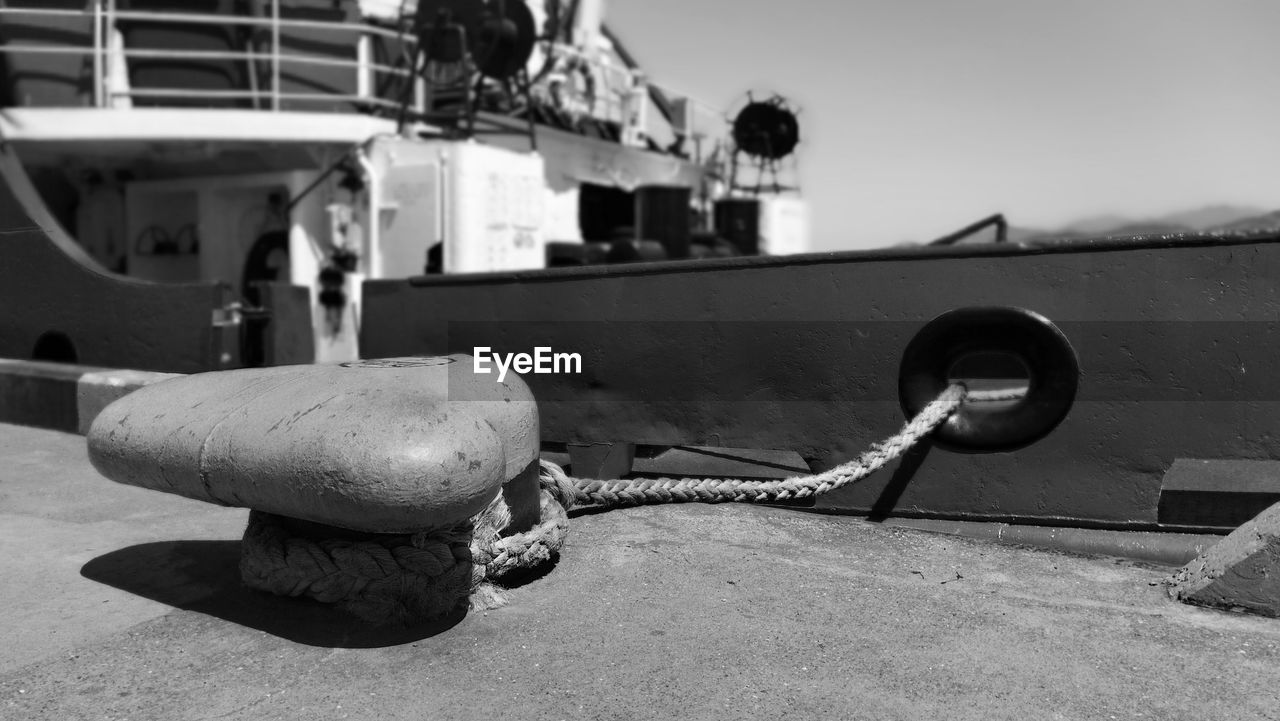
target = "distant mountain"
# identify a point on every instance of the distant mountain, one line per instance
(1153, 227)
(1264, 221)
(1208, 218)
(1095, 225)
(1211, 218)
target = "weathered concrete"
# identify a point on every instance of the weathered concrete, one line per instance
(1240, 572)
(64, 397)
(124, 603)
(1164, 549)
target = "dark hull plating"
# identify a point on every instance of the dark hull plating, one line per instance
(50, 288)
(1175, 338)
(1176, 341)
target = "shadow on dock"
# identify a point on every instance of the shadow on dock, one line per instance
(204, 576)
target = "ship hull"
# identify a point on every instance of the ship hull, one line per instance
(1174, 339)
(1171, 341)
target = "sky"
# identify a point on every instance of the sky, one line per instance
(921, 116)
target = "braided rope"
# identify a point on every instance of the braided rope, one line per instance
(637, 492)
(404, 578)
(379, 578)
(569, 492)
(400, 578)
(521, 551)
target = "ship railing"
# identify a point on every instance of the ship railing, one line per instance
(703, 126)
(621, 94)
(617, 94)
(107, 80)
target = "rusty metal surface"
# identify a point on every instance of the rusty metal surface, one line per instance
(1175, 336)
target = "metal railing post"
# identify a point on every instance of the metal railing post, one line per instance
(99, 59)
(275, 54)
(121, 61)
(364, 73)
(108, 58)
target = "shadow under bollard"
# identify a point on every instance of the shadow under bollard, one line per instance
(204, 576)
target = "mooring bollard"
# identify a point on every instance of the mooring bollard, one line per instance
(368, 481)
(400, 488)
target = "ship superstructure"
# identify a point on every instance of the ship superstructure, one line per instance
(275, 154)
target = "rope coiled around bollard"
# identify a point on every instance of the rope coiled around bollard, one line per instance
(414, 577)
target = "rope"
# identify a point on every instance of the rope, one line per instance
(567, 492)
(392, 578)
(399, 578)
(715, 490)
(405, 578)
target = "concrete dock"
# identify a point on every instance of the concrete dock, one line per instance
(119, 603)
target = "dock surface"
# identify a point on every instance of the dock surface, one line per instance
(120, 603)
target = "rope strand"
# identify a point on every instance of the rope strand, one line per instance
(618, 493)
